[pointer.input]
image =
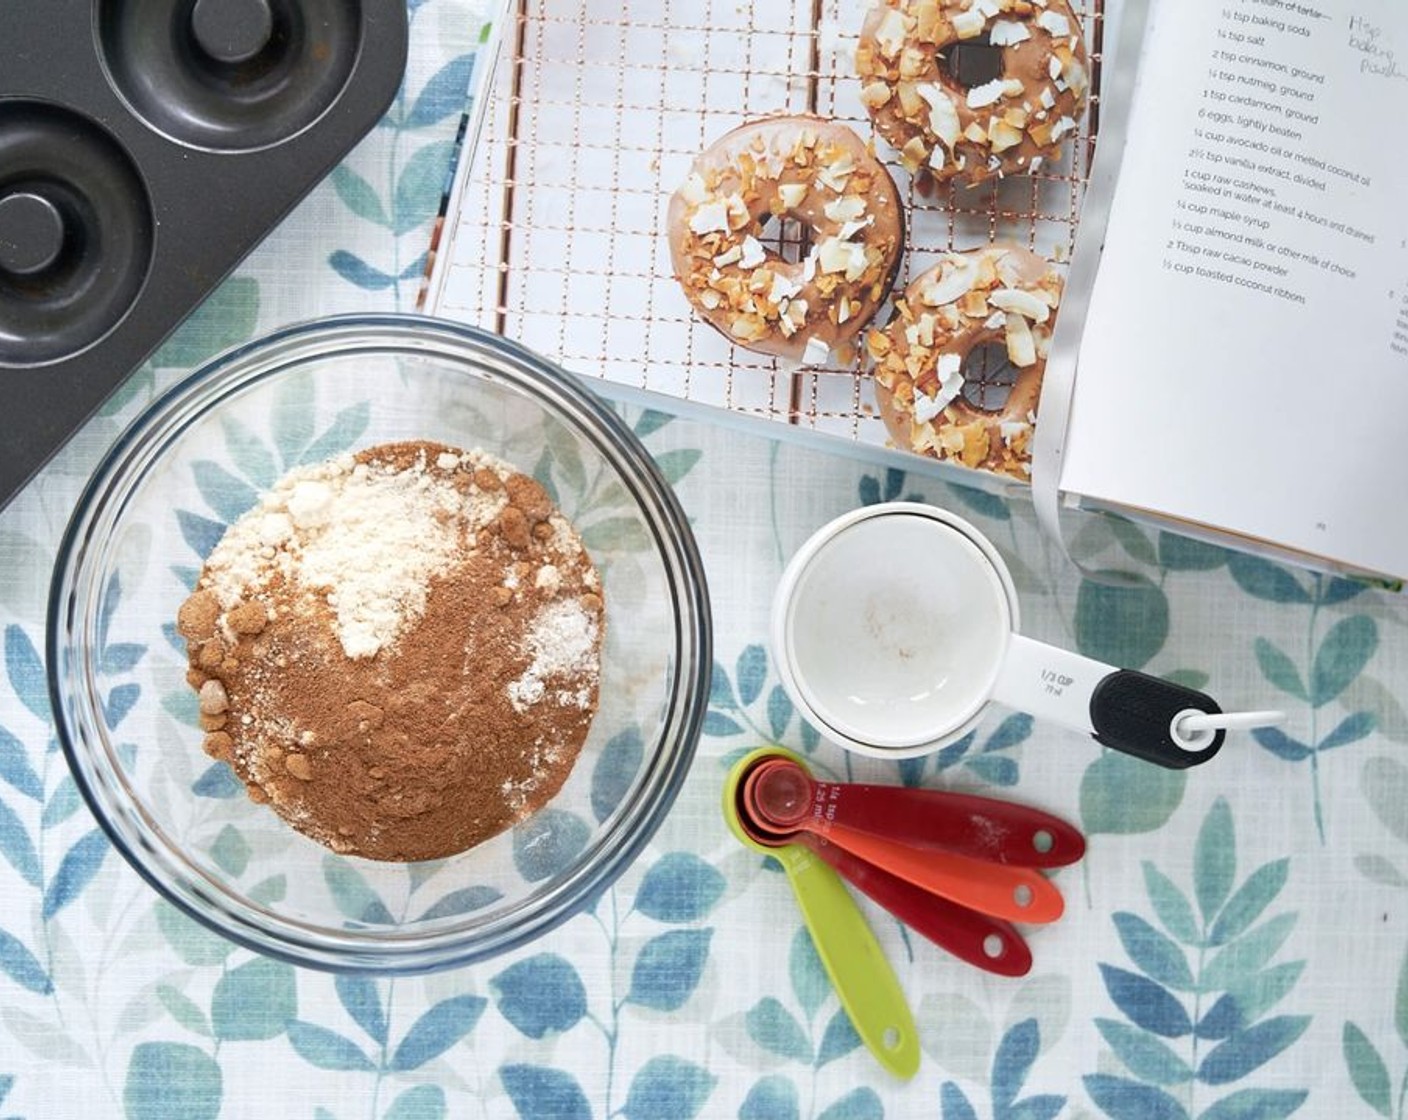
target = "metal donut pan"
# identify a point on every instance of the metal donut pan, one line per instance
(146, 146)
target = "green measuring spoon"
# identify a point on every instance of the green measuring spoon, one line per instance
(867, 986)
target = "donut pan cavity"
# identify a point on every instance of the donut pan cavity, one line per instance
(146, 146)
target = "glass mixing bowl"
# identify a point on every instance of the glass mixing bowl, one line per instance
(196, 459)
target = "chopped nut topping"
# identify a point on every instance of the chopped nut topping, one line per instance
(943, 117)
(1021, 302)
(1008, 33)
(875, 94)
(845, 209)
(1021, 348)
(792, 194)
(1002, 135)
(817, 352)
(891, 33)
(711, 217)
(989, 93)
(969, 24)
(694, 189)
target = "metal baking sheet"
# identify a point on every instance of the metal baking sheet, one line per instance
(146, 146)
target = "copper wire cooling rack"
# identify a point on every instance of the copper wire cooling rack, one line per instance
(597, 112)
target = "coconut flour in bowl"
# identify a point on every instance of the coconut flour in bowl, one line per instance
(399, 651)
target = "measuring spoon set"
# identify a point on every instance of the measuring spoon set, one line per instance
(956, 868)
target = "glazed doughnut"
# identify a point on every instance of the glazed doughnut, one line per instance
(819, 174)
(1001, 294)
(1009, 125)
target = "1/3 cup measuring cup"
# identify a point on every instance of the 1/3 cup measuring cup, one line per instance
(894, 626)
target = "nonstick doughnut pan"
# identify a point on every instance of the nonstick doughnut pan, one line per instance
(146, 146)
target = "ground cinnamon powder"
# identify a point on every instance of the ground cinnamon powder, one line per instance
(386, 706)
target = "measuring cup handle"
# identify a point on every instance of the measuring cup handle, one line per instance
(1135, 713)
(1122, 709)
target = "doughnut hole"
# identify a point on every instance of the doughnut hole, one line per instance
(785, 237)
(988, 377)
(971, 63)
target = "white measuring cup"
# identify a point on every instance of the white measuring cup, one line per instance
(895, 625)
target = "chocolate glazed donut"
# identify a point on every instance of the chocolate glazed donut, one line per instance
(1011, 124)
(818, 174)
(1002, 294)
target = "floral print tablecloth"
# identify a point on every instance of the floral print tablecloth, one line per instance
(1236, 941)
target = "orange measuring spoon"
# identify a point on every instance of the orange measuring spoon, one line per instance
(1017, 894)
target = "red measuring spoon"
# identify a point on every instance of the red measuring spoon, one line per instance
(979, 939)
(1016, 894)
(786, 796)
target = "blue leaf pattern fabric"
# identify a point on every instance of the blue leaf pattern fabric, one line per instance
(668, 1086)
(16, 768)
(1232, 958)
(772, 1098)
(1122, 1099)
(776, 1029)
(1147, 1004)
(436, 1031)
(1012, 1062)
(681, 887)
(541, 995)
(954, 1105)
(326, 1049)
(17, 847)
(668, 968)
(839, 1039)
(1233, 947)
(615, 771)
(79, 865)
(859, 1104)
(1367, 1070)
(257, 1000)
(548, 842)
(362, 1001)
(171, 1079)
(542, 1093)
(462, 901)
(420, 1102)
(26, 672)
(1256, 1104)
(218, 782)
(20, 965)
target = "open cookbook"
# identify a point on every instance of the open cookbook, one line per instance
(1237, 356)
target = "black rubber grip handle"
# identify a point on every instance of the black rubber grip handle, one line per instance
(1133, 712)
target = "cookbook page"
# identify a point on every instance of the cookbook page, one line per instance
(1245, 360)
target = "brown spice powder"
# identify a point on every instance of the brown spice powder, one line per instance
(432, 744)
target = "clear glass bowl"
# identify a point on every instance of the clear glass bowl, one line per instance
(191, 464)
